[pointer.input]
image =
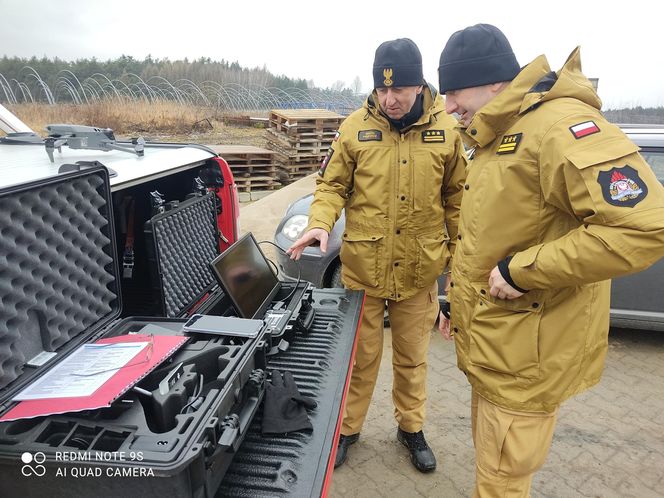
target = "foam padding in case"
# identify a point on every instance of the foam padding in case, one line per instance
(57, 267)
(186, 241)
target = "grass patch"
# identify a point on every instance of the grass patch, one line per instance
(124, 118)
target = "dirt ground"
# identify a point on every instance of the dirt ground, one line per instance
(217, 134)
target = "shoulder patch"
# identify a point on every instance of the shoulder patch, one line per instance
(370, 136)
(622, 186)
(325, 162)
(584, 129)
(433, 136)
(509, 144)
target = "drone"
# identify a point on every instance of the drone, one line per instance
(87, 137)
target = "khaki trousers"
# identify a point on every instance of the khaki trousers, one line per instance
(510, 446)
(411, 321)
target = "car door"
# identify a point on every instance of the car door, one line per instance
(637, 300)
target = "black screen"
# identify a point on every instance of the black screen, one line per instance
(246, 276)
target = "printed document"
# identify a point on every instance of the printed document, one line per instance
(83, 372)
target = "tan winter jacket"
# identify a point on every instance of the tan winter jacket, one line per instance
(401, 192)
(567, 195)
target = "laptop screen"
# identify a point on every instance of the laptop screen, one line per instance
(246, 276)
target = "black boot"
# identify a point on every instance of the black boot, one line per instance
(420, 453)
(342, 448)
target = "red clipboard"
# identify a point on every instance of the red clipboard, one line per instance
(124, 379)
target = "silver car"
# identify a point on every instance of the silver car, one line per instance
(636, 301)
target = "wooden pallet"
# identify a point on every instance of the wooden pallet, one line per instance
(312, 152)
(287, 174)
(242, 153)
(293, 121)
(301, 139)
(250, 171)
(255, 183)
(298, 142)
(298, 159)
(253, 168)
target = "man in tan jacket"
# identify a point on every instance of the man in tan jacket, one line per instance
(398, 170)
(557, 201)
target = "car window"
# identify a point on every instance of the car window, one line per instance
(656, 161)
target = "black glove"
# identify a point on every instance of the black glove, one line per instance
(284, 408)
(445, 308)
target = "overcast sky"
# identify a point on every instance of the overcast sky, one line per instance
(621, 44)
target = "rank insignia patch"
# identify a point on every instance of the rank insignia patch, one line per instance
(433, 136)
(584, 129)
(509, 144)
(370, 136)
(622, 186)
(325, 162)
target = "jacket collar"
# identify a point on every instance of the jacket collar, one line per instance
(498, 115)
(432, 106)
(534, 85)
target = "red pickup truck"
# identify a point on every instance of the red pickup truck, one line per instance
(149, 178)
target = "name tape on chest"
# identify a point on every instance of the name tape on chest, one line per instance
(433, 136)
(509, 144)
(584, 129)
(370, 136)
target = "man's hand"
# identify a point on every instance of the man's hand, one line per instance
(499, 288)
(296, 250)
(444, 327)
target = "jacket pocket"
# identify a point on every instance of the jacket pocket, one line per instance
(428, 173)
(361, 255)
(504, 334)
(432, 258)
(610, 151)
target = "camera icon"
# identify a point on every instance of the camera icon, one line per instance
(33, 470)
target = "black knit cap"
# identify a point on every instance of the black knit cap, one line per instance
(475, 56)
(398, 63)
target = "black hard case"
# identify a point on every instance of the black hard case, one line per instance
(181, 242)
(59, 289)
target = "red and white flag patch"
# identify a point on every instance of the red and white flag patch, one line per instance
(584, 129)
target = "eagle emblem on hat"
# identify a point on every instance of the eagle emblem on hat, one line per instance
(387, 72)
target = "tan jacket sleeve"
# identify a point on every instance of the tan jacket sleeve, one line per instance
(618, 202)
(333, 184)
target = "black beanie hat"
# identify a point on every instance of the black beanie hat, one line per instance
(398, 63)
(475, 56)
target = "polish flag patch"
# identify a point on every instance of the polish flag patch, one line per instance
(584, 129)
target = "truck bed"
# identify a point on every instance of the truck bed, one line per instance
(300, 464)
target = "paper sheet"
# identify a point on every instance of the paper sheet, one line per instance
(83, 372)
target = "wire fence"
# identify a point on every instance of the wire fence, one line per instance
(232, 97)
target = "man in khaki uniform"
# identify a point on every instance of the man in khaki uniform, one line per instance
(398, 170)
(557, 201)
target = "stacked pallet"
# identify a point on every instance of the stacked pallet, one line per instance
(253, 168)
(301, 139)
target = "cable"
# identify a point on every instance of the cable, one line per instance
(195, 395)
(297, 265)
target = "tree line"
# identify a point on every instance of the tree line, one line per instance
(198, 71)
(636, 115)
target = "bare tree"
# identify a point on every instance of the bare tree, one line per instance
(357, 85)
(338, 85)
